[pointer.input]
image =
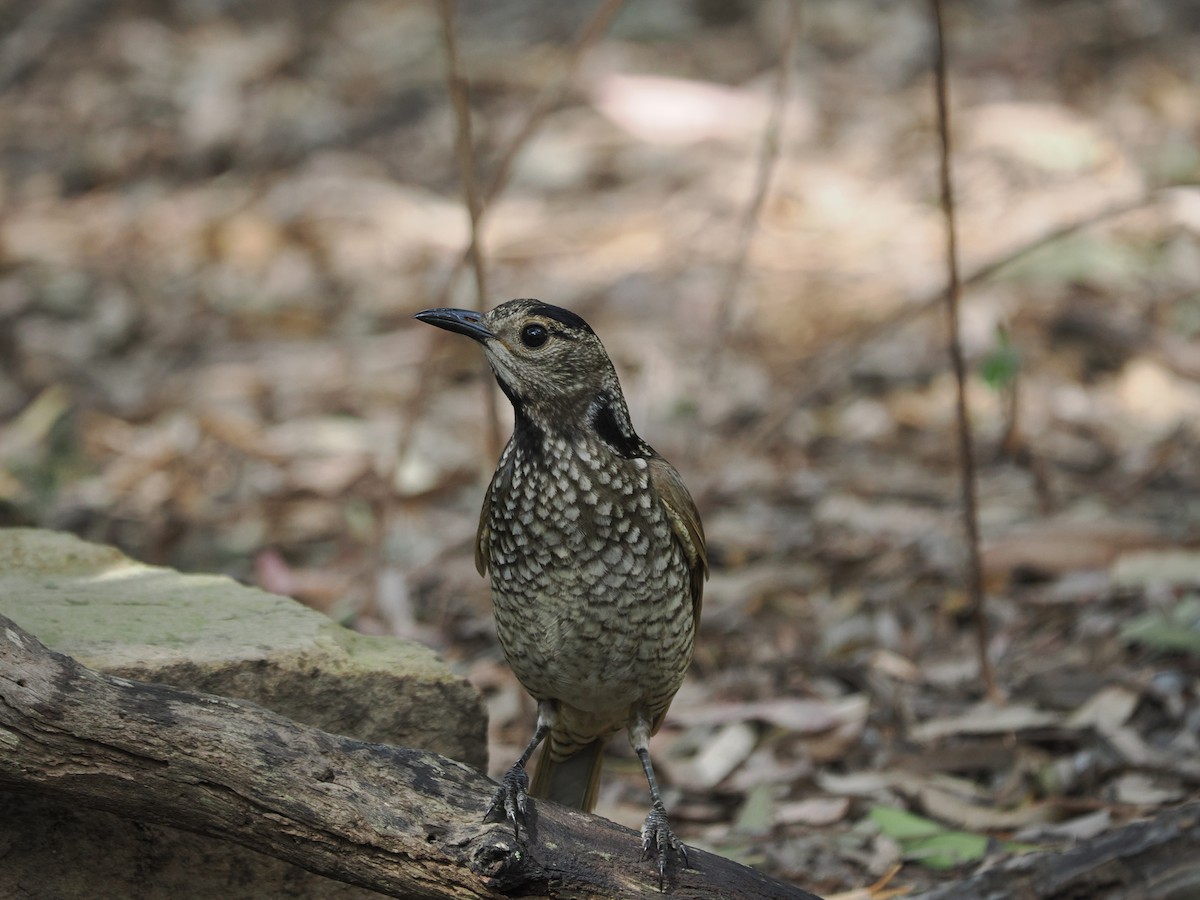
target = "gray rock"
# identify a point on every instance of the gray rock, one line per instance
(204, 633)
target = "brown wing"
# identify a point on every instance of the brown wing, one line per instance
(685, 521)
(484, 533)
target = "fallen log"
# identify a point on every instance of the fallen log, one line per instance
(398, 821)
(1150, 859)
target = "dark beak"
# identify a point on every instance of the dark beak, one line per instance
(462, 321)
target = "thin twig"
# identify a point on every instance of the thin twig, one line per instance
(966, 452)
(768, 156)
(465, 151)
(549, 99)
(429, 368)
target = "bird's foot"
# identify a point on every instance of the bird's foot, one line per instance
(660, 840)
(511, 797)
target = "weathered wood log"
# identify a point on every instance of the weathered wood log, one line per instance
(1154, 859)
(398, 821)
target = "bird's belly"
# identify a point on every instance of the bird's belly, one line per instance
(604, 632)
(590, 585)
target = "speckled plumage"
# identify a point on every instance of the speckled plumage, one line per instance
(590, 584)
(595, 551)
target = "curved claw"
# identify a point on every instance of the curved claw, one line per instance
(512, 796)
(657, 837)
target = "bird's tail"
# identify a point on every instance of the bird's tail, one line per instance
(572, 780)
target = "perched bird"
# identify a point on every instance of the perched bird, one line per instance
(596, 555)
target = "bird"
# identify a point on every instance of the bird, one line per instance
(596, 557)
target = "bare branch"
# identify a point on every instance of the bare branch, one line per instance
(966, 450)
(550, 98)
(401, 822)
(768, 155)
(465, 151)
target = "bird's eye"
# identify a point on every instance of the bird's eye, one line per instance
(534, 335)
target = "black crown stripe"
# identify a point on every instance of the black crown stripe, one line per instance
(558, 314)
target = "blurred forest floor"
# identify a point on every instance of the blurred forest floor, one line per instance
(217, 218)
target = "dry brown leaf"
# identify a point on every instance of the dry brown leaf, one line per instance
(1151, 567)
(1141, 789)
(853, 784)
(812, 811)
(985, 719)
(1080, 828)
(798, 716)
(836, 742)
(895, 666)
(764, 766)
(964, 805)
(330, 477)
(986, 754)
(721, 754)
(1056, 547)
(1106, 710)
(662, 110)
(27, 431)
(321, 588)
(240, 431)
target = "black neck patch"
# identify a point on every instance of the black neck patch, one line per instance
(517, 403)
(529, 438)
(609, 429)
(558, 314)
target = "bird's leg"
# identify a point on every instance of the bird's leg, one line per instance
(512, 795)
(657, 836)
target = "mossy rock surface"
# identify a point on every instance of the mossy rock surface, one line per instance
(205, 633)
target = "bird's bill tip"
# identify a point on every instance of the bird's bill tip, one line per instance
(460, 321)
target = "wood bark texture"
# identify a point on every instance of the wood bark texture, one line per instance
(1153, 859)
(399, 821)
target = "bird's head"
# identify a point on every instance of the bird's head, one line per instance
(547, 360)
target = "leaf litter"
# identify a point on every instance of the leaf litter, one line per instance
(208, 260)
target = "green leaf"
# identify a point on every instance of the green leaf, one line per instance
(902, 825)
(1175, 630)
(947, 850)
(1002, 363)
(932, 844)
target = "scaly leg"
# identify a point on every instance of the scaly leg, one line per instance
(512, 796)
(657, 836)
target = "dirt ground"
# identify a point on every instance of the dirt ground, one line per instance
(217, 219)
